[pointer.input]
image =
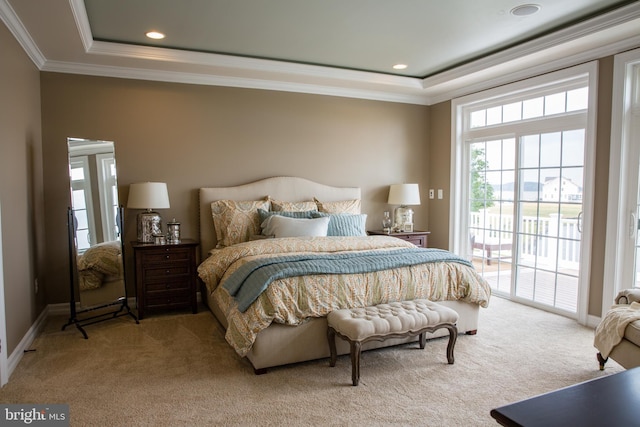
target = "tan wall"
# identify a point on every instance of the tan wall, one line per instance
(439, 174)
(601, 193)
(191, 136)
(21, 202)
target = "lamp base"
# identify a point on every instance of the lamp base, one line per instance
(403, 216)
(149, 226)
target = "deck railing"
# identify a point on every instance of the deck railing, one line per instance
(547, 240)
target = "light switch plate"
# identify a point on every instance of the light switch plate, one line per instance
(440, 193)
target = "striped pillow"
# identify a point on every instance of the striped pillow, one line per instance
(344, 224)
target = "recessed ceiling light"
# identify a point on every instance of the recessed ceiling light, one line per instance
(525, 9)
(155, 35)
(400, 66)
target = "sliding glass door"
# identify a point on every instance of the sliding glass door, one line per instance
(622, 264)
(524, 178)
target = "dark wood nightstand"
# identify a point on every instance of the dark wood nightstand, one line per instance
(166, 276)
(418, 238)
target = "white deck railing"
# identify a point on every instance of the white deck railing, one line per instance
(547, 239)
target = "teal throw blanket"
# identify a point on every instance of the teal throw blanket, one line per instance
(250, 280)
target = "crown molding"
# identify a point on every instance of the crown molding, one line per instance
(179, 66)
(82, 22)
(230, 62)
(229, 81)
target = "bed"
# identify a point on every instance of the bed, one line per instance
(100, 274)
(286, 323)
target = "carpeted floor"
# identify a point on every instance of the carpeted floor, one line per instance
(177, 370)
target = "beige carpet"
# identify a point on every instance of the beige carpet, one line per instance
(178, 370)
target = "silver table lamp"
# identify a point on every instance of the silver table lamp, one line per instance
(148, 196)
(403, 195)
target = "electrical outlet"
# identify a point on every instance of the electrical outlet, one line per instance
(432, 193)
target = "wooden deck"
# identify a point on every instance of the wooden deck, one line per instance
(533, 284)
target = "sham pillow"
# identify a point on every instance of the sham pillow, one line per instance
(343, 206)
(280, 206)
(282, 226)
(236, 221)
(291, 214)
(345, 224)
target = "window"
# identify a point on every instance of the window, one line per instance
(522, 163)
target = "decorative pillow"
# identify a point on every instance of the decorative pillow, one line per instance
(279, 206)
(89, 279)
(344, 224)
(290, 214)
(343, 206)
(103, 257)
(282, 226)
(236, 221)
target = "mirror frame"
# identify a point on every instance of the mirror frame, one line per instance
(81, 314)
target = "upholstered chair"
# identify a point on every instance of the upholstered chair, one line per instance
(618, 335)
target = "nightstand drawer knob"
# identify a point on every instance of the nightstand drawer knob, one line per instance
(167, 257)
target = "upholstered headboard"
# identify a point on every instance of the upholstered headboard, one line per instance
(285, 188)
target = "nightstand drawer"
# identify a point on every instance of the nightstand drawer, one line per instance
(168, 301)
(166, 255)
(166, 276)
(164, 286)
(416, 240)
(166, 271)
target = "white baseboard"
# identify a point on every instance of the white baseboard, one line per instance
(27, 340)
(58, 309)
(593, 321)
(38, 325)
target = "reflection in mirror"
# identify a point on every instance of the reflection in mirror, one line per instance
(95, 225)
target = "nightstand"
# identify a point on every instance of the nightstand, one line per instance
(418, 238)
(165, 276)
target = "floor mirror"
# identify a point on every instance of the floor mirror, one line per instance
(98, 289)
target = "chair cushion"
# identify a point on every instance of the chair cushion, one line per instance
(632, 332)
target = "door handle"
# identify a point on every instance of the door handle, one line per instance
(580, 222)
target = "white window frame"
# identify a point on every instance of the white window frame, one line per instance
(459, 164)
(621, 148)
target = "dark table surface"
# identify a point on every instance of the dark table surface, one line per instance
(609, 401)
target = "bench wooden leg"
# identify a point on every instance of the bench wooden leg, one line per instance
(453, 336)
(356, 348)
(331, 336)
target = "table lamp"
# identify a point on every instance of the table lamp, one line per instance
(148, 196)
(403, 195)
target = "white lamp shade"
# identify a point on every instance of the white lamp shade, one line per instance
(148, 195)
(404, 194)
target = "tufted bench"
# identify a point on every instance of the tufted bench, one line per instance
(383, 321)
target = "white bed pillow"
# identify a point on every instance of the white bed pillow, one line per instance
(282, 226)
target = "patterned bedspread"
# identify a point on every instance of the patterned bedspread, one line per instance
(293, 300)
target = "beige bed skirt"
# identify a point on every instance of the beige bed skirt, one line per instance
(283, 344)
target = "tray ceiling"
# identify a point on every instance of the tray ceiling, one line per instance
(332, 47)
